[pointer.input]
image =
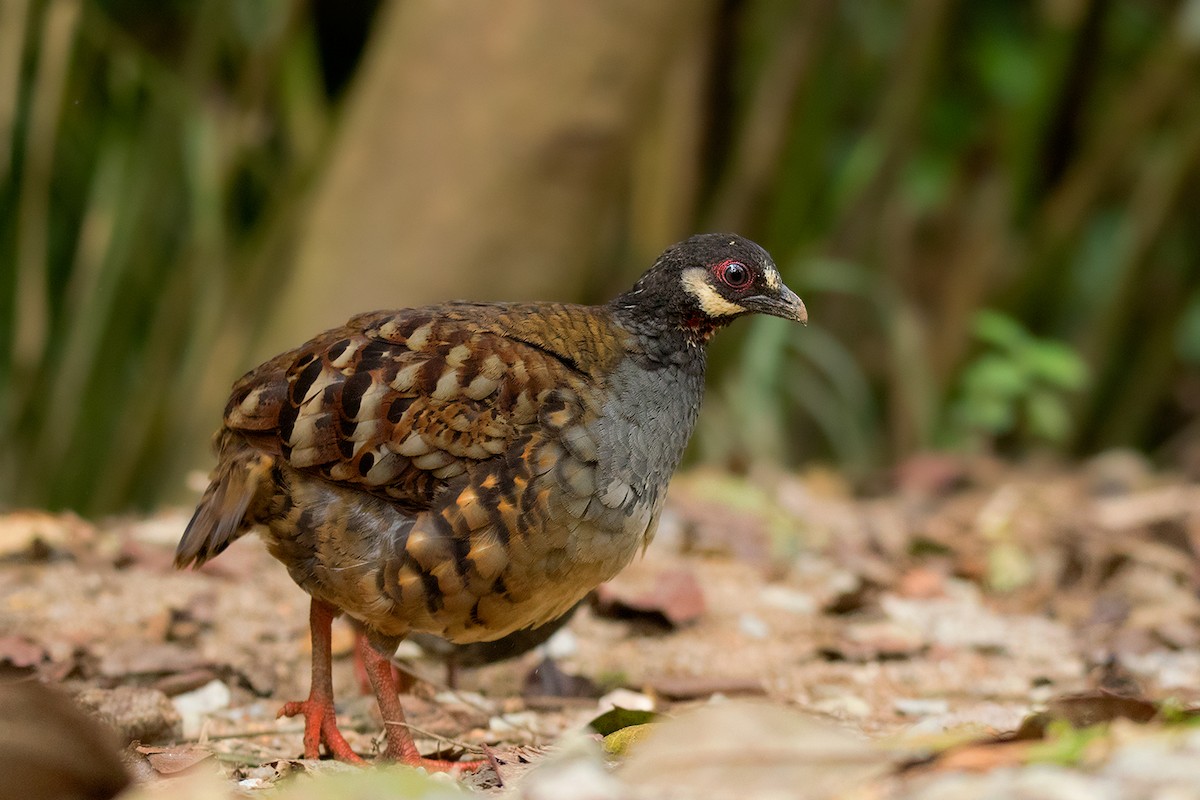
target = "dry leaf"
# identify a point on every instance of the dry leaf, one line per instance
(574, 771)
(743, 749)
(21, 652)
(674, 597)
(691, 688)
(983, 757)
(37, 535)
(137, 657)
(173, 760)
(1084, 710)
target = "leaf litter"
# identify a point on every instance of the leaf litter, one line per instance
(975, 628)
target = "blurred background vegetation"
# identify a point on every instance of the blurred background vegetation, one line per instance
(991, 209)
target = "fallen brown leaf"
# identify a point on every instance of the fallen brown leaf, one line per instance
(37, 535)
(173, 760)
(1084, 710)
(674, 597)
(180, 682)
(982, 757)
(692, 688)
(922, 582)
(21, 652)
(741, 749)
(149, 658)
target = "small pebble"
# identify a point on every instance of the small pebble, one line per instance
(522, 720)
(625, 698)
(916, 707)
(782, 597)
(254, 783)
(146, 715)
(408, 650)
(562, 644)
(194, 706)
(753, 626)
(845, 706)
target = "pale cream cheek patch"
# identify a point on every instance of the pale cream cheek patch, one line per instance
(695, 283)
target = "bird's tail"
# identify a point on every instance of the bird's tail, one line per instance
(240, 484)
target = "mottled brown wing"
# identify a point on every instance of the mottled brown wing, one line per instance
(399, 403)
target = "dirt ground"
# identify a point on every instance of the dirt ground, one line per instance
(797, 640)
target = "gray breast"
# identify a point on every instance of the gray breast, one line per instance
(642, 431)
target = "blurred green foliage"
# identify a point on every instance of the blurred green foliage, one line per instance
(153, 156)
(1019, 381)
(909, 165)
(1035, 158)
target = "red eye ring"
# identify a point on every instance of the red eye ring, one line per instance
(734, 274)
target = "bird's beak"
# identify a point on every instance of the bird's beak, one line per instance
(786, 304)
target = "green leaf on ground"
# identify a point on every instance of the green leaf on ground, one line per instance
(617, 718)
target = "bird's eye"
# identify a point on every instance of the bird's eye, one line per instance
(734, 274)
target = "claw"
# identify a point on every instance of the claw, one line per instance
(320, 727)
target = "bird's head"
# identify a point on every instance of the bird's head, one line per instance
(703, 283)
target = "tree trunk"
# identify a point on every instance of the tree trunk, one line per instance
(482, 154)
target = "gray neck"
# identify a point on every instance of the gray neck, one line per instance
(652, 408)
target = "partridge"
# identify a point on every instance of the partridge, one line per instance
(471, 469)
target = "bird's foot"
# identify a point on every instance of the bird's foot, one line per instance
(438, 765)
(400, 745)
(401, 750)
(320, 725)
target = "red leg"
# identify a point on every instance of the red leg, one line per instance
(404, 681)
(320, 720)
(400, 744)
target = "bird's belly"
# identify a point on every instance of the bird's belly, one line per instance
(537, 584)
(395, 572)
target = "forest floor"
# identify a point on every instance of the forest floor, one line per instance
(976, 630)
